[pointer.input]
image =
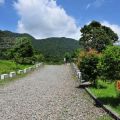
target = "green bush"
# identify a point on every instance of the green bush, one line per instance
(39, 57)
(109, 63)
(88, 66)
(68, 57)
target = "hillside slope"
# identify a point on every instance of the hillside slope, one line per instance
(54, 48)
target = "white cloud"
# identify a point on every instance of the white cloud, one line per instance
(88, 6)
(114, 27)
(44, 18)
(2, 1)
(95, 3)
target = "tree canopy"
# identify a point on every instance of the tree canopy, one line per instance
(96, 36)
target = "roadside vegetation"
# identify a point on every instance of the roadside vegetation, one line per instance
(9, 80)
(105, 117)
(99, 62)
(107, 93)
(51, 49)
(7, 66)
(17, 54)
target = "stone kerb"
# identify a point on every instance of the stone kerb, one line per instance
(12, 74)
(30, 68)
(4, 76)
(74, 67)
(26, 70)
(20, 72)
(79, 75)
(36, 65)
(76, 72)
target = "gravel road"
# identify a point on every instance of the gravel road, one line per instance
(49, 93)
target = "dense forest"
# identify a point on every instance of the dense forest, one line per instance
(54, 49)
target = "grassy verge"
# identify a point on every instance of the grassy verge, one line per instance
(107, 94)
(9, 66)
(105, 117)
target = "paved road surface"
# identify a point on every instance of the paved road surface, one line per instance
(47, 94)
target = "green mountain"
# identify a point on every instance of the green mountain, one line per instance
(54, 49)
(12, 34)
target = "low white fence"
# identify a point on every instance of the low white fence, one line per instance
(19, 72)
(77, 72)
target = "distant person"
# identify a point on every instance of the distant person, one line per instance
(64, 60)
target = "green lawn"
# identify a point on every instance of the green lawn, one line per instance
(107, 94)
(105, 117)
(9, 66)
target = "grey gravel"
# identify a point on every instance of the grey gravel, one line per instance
(49, 93)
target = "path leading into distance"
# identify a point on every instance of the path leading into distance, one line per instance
(49, 93)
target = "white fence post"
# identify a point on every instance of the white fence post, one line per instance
(12, 74)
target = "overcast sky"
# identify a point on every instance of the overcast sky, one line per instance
(57, 18)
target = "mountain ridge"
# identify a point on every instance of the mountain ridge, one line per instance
(53, 48)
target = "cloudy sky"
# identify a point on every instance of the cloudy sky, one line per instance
(57, 18)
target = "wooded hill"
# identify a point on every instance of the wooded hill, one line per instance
(53, 49)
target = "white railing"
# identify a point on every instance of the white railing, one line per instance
(26, 70)
(77, 72)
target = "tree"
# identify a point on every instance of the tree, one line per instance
(96, 36)
(68, 57)
(38, 56)
(88, 66)
(23, 51)
(109, 63)
(76, 53)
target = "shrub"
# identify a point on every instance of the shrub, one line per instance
(109, 63)
(88, 66)
(68, 57)
(26, 60)
(39, 57)
(22, 52)
(81, 55)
